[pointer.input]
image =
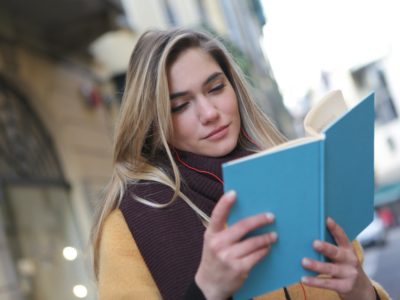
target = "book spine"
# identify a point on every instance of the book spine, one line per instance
(322, 195)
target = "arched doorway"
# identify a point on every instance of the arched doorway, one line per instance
(36, 218)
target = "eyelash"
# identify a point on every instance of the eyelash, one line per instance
(217, 88)
(213, 90)
(179, 107)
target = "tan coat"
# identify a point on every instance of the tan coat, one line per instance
(123, 273)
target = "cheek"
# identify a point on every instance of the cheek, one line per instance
(235, 110)
(231, 106)
(183, 128)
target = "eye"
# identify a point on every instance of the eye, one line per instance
(217, 88)
(179, 107)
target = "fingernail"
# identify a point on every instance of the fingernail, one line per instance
(231, 194)
(330, 221)
(304, 279)
(274, 236)
(317, 245)
(270, 216)
(306, 262)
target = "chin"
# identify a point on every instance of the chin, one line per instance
(221, 150)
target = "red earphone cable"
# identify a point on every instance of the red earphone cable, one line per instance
(197, 170)
(304, 291)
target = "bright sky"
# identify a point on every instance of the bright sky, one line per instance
(304, 37)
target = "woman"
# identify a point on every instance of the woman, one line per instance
(161, 232)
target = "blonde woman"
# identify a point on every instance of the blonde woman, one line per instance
(161, 231)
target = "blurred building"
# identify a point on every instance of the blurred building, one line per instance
(245, 21)
(62, 66)
(55, 137)
(371, 71)
(380, 75)
(239, 23)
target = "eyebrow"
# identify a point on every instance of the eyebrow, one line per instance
(208, 80)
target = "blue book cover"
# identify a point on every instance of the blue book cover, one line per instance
(329, 173)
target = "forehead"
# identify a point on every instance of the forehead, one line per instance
(191, 68)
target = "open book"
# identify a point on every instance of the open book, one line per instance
(327, 173)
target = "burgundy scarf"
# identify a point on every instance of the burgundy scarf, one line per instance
(171, 239)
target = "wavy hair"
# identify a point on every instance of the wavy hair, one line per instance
(144, 125)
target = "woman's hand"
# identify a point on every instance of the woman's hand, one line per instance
(345, 274)
(226, 258)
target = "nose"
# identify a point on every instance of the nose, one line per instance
(206, 110)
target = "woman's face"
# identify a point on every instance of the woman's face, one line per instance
(204, 109)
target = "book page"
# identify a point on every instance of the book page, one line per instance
(327, 110)
(286, 145)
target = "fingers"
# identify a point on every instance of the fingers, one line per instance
(338, 285)
(225, 255)
(343, 252)
(329, 250)
(342, 272)
(252, 244)
(237, 231)
(335, 253)
(248, 262)
(226, 261)
(349, 281)
(337, 277)
(221, 211)
(334, 270)
(338, 233)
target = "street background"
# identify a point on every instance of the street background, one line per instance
(62, 73)
(382, 263)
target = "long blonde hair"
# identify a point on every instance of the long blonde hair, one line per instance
(144, 125)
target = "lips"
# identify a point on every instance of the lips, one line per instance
(216, 131)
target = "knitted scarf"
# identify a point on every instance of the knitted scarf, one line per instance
(171, 239)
